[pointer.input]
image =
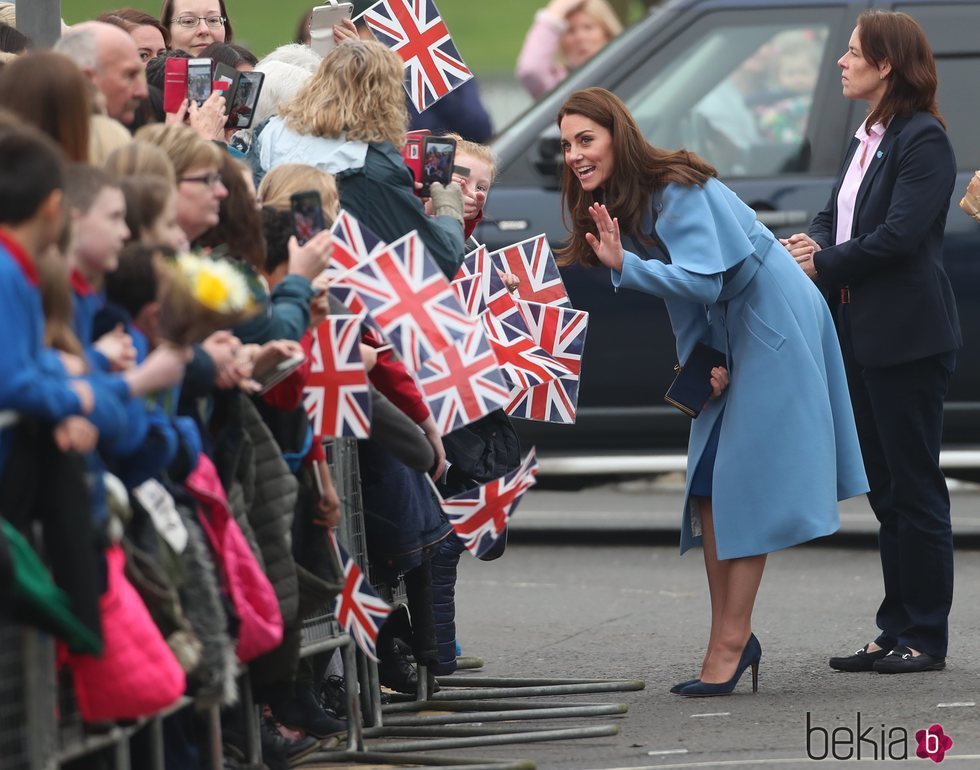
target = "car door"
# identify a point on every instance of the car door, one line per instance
(754, 88)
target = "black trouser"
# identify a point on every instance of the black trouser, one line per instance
(899, 415)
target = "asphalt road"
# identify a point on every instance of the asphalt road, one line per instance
(641, 612)
(592, 586)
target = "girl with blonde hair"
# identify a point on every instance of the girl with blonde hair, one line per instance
(289, 178)
(349, 119)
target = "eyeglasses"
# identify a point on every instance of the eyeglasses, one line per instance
(189, 22)
(211, 180)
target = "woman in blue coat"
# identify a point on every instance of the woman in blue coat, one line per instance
(775, 448)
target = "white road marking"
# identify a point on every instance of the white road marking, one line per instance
(715, 714)
(967, 704)
(666, 752)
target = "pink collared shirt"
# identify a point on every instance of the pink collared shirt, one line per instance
(860, 161)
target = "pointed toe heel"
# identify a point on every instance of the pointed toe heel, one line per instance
(751, 655)
(681, 685)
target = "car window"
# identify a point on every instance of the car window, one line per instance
(741, 95)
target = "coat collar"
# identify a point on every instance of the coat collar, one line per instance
(19, 254)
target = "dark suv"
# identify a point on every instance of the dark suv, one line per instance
(753, 86)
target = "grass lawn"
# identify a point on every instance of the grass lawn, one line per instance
(488, 34)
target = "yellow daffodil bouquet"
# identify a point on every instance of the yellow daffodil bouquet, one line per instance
(200, 295)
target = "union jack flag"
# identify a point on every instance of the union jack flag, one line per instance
(533, 263)
(410, 300)
(336, 395)
(416, 32)
(555, 401)
(480, 515)
(467, 291)
(346, 295)
(463, 382)
(353, 243)
(358, 608)
(489, 291)
(560, 331)
(524, 363)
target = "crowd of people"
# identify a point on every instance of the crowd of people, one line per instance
(139, 420)
(138, 423)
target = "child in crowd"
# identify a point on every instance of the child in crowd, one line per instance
(31, 182)
(151, 211)
(98, 214)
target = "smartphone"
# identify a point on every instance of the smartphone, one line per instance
(174, 83)
(307, 212)
(225, 79)
(438, 159)
(322, 22)
(412, 151)
(241, 108)
(199, 80)
(273, 375)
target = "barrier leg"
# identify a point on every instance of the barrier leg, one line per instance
(253, 740)
(487, 737)
(155, 729)
(557, 712)
(355, 737)
(214, 733)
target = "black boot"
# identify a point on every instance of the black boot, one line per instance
(278, 751)
(394, 669)
(303, 712)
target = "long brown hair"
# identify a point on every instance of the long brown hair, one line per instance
(897, 38)
(639, 169)
(49, 91)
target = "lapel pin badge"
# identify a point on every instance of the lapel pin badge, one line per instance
(880, 153)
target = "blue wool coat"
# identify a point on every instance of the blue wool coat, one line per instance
(788, 449)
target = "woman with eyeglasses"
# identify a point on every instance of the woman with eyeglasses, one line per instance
(196, 24)
(198, 166)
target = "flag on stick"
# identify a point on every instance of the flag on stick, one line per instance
(480, 515)
(358, 608)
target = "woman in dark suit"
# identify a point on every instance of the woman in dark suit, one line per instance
(877, 251)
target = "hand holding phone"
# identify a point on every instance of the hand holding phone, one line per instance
(438, 159)
(322, 22)
(307, 212)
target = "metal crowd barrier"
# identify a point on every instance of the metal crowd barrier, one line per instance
(40, 727)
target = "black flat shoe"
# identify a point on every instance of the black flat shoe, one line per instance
(902, 661)
(862, 660)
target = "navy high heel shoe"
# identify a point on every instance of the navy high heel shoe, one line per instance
(751, 656)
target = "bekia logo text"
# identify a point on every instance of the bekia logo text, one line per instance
(873, 742)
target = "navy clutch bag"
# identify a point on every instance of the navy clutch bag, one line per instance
(691, 387)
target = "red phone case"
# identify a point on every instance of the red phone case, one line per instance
(174, 84)
(412, 151)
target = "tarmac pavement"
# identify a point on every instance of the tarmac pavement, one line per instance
(592, 585)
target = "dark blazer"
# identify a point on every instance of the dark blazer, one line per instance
(901, 301)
